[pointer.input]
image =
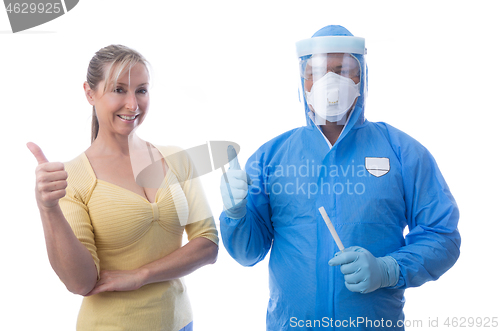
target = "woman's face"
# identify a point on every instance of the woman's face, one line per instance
(122, 109)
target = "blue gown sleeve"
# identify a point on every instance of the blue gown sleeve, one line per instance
(433, 242)
(249, 238)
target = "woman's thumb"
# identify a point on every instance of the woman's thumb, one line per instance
(37, 152)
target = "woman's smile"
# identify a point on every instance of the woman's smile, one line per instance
(128, 119)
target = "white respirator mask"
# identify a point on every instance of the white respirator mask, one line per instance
(332, 96)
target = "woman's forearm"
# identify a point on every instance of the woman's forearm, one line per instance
(69, 258)
(195, 254)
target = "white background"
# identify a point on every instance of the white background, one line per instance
(226, 70)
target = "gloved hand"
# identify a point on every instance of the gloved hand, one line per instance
(364, 272)
(234, 187)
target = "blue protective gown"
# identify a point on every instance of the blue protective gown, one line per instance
(296, 173)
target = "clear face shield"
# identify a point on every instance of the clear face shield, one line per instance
(331, 76)
(331, 85)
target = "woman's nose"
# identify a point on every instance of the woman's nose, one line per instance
(132, 103)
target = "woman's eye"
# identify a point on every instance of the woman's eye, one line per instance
(118, 90)
(142, 91)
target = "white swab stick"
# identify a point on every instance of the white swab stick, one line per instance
(331, 228)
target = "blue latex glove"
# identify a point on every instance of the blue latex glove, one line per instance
(364, 272)
(234, 187)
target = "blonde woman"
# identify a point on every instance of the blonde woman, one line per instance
(110, 239)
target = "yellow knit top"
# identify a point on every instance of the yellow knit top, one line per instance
(124, 231)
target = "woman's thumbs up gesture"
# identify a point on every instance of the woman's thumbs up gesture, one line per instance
(50, 179)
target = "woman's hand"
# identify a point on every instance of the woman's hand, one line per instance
(69, 258)
(118, 280)
(50, 179)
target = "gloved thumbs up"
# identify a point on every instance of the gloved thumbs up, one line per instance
(233, 162)
(234, 187)
(233, 158)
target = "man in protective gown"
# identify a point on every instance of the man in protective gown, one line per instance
(372, 180)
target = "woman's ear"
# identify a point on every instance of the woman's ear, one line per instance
(89, 93)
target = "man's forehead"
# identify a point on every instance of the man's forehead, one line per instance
(332, 58)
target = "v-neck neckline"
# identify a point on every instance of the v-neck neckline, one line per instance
(92, 172)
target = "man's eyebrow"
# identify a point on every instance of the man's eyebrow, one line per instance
(337, 67)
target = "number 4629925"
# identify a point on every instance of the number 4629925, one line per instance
(485, 322)
(31, 8)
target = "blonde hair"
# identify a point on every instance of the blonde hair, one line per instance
(106, 66)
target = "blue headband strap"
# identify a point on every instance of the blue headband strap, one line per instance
(331, 44)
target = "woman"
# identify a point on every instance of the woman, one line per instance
(110, 239)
